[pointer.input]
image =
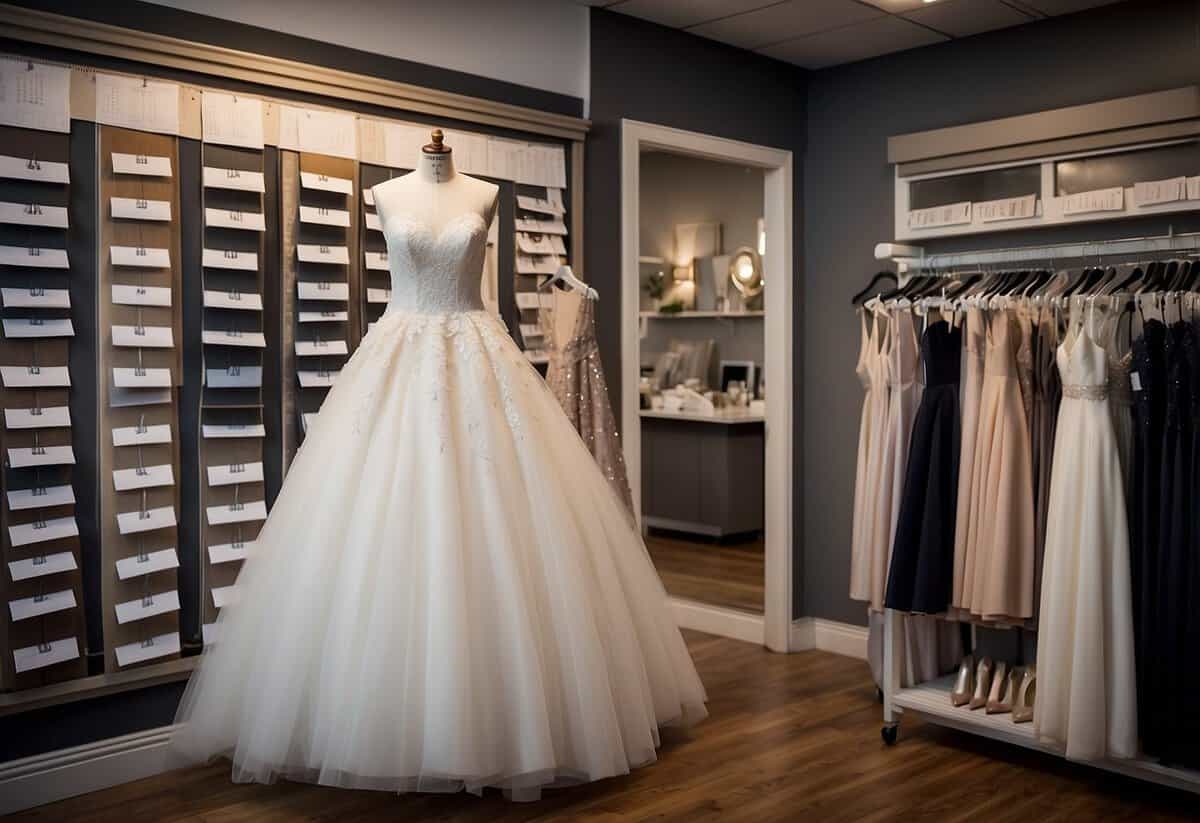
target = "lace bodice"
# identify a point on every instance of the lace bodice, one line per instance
(436, 272)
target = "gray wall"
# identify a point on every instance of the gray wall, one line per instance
(1120, 50)
(677, 189)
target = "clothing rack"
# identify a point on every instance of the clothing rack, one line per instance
(909, 258)
(931, 700)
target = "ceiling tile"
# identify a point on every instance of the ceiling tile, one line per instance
(792, 18)
(1065, 6)
(962, 18)
(872, 38)
(897, 6)
(683, 13)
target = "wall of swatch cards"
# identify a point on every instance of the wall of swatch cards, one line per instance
(175, 311)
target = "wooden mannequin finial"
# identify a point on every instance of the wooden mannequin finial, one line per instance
(437, 146)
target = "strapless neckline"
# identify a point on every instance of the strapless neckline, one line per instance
(435, 270)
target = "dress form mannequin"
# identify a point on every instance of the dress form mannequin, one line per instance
(435, 193)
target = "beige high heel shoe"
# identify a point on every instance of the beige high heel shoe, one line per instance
(964, 684)
(1022, 710)
(983, 683)
(1004, 689)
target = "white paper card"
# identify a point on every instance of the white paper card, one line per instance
(235, 473)
(144, 521)
(326, 132)
(323, 182)
(230, 259)
(144, 337)
(1193, 188)
(379, 295)
(132, 208)
(1009, 208)
(528, 264)
(316, 379)
(320, 348)
(32, 658)
(234, 337)
(215, 431)
(28, 168)
(42, 566)
(33, 214)
(229, 552)
(239, 513)
(234, 377)
(27, 534)
(35, 298)
(161, 603)
(232, 120)
(33, 257)
(537, 356)
(402, 144)
(148, 477)
(141, 295)
(536, 244)
(323, 316)
(148, 563)
(555, 226)
(38, 327)
(504, 158)
(1085, 202)
(28, 607)
(245, 220)
(322, 290)
(120, 398)
(138, 652)
(529, 330)
(369, 197)
(140, 257)
(373, 221)
(235, 179)
(145, 436)
(32, 377)
(248, 301)
(313, 253)
(376, 260)
(470, 151)
(53, 417)
(137, 103)
(43, 456)
(42, 498)
(527, 300)
(224, 596)
(142, 378)
(950, 214)
(144, 165)
(35, 95)
(1154, 192)
(319, 216)
(539, 205)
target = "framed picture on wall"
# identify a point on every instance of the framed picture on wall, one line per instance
(742, 370)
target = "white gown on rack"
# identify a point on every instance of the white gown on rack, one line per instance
(1086, 693)
(447, 594)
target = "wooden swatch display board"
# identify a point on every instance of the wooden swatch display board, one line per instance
(376, 289)
(541, 247)
(232, 490)
(42, 626)
(320, 243)
(140, 371)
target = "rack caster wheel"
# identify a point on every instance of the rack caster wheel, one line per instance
(889, 733)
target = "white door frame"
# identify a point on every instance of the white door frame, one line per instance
(773, 628)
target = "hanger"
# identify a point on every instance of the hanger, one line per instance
(870, 287)
(566, 279)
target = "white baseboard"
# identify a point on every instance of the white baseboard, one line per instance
(830, 636)
(45, 778)
(716, 620)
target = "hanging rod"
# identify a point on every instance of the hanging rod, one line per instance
(915, 256)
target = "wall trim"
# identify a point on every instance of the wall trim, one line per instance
(830, 636)
(45, 778)
(49, 29)
(730, 623)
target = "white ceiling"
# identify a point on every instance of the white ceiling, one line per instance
(819, 33)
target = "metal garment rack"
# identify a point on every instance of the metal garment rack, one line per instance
(931, 700)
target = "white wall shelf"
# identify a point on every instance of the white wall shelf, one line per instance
(700, 315)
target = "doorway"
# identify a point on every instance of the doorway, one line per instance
(707, 373)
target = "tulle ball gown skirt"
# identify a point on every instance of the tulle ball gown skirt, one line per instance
(447, 594)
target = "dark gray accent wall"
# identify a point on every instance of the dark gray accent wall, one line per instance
(642, 71)
(1125, 49)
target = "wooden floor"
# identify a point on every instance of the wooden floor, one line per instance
(790, 737)
(719, 574)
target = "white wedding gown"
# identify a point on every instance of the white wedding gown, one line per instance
(447, 594)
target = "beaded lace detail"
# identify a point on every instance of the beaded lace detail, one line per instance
(1085, 392)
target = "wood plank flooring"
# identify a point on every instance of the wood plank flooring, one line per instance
(790, 738)
(719, 574)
